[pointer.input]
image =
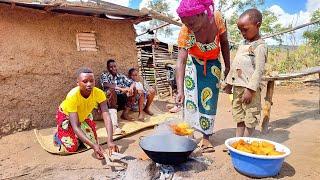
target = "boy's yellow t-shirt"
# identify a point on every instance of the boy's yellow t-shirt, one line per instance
(75, 102)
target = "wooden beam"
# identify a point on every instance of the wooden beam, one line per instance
(306, 72)
(154, 64)
(159, 27)
(77, 42)
(291, 29)
(285, 31)
(159, 16)
(111, 9)
(88, 49)
(88, 34)
(267, 107)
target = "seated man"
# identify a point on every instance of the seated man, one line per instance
(75, 123)
(119, 89)
(143, 98)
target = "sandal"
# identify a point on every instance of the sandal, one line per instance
(205, 146)
(226, 150)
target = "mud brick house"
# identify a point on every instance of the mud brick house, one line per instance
(43, 44)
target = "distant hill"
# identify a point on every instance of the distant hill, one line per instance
(272, 47)
(283, 47)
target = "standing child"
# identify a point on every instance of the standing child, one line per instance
(75, 123)
(143, 98)
(246, 74)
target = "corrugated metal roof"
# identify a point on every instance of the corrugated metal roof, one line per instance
(94, 8)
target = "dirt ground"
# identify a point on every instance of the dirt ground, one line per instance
(295, 122)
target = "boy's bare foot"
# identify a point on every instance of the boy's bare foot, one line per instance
(126, 117)
(141, 117)
(148, 112)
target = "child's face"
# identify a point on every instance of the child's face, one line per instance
(86, 83)
(248, 29)
(134, 76)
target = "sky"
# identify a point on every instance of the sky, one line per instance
(288, 5)
(295, 12)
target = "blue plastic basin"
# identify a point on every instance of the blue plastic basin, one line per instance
(256, 165)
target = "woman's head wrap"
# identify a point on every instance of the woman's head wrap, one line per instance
(193, 7)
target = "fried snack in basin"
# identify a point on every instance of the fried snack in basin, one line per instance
(256, 147)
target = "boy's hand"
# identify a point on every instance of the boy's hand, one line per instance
(112, 148)
(228, 89)
(98, 151)
(247, 96)
(124, 90)
(131, 90)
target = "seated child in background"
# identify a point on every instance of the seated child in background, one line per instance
(75, 123)
(143, 98)
(246, 74)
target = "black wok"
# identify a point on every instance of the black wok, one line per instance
(168, 149)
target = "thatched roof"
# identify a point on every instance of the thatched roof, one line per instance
(94, 8)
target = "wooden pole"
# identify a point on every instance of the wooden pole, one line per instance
(159, 16)
(305, 72)
(111, 9)
(291, 29)
(285, 31)
(267, 107)
(154, 66)
(156, 28)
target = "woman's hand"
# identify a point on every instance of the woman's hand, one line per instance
(98, 151)
(112, 148)
(180, 98)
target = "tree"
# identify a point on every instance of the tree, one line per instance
(238, 5)
(269, 24)
(313, 36)
(160, 6)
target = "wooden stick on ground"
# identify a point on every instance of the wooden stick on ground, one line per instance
(267, 107)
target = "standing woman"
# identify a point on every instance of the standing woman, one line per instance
(201, 38)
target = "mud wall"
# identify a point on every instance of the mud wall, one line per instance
(39, 57)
